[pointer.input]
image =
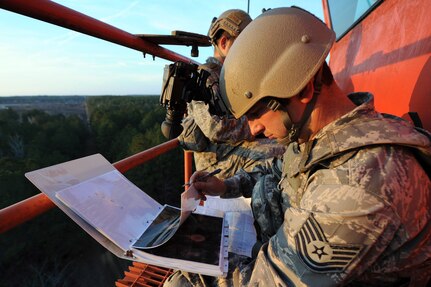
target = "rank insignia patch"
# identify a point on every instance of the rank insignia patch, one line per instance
(319, 254)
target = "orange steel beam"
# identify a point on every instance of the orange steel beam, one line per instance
(188, 163)
(23, 211)
(29, 208)
(57, 14)
(144, 156)
(326, 13)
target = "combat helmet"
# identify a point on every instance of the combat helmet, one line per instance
(232, 21)
(275, 56)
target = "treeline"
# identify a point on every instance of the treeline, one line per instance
(51, 250)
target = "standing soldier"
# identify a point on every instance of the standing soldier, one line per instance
(354, 195)
(221, 141)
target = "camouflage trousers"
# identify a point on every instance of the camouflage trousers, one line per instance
(231, 158)
(240, 268)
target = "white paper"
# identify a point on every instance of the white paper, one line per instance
(237, 212)
(113, 205)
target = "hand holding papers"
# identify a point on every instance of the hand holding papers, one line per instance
(190, 199)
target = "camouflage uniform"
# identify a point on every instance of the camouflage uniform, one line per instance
(222, 141)
(356, 205)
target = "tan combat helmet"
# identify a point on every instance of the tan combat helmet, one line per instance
(232, 21)
(275, 56)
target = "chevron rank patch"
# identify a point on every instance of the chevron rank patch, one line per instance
(319, 254)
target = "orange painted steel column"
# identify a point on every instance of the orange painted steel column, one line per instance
(394, 66)
(51, 12)
(188, 164)
(29, 208)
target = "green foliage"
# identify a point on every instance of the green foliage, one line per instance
(48, 139)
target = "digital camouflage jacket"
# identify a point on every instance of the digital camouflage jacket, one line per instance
(352, 206)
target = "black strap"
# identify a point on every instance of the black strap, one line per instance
(416, 119)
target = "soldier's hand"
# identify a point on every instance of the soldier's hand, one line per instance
(207, 185)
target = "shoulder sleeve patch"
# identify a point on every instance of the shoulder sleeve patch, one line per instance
(318, 254)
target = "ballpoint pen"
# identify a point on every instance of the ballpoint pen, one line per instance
(214, 172)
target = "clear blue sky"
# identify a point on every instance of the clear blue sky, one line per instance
(38, 58)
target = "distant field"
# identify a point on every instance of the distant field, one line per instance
(73, 105)
(66, 105)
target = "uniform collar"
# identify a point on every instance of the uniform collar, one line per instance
(365, 106)
(214, 60)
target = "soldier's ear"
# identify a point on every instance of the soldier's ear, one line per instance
(223, 41)
(307, 93)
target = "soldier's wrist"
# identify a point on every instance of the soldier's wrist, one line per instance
(231, 188)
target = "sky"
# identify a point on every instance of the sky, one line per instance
(39, 58)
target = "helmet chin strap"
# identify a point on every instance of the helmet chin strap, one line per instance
(294, 129)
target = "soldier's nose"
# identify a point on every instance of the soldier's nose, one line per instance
(255, 127)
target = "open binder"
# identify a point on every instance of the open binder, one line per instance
(131, 224)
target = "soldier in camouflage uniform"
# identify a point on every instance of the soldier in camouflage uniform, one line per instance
(352, 207)
(221, 141)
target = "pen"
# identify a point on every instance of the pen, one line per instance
(214, 172)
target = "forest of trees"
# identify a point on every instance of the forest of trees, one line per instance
(52, 250)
